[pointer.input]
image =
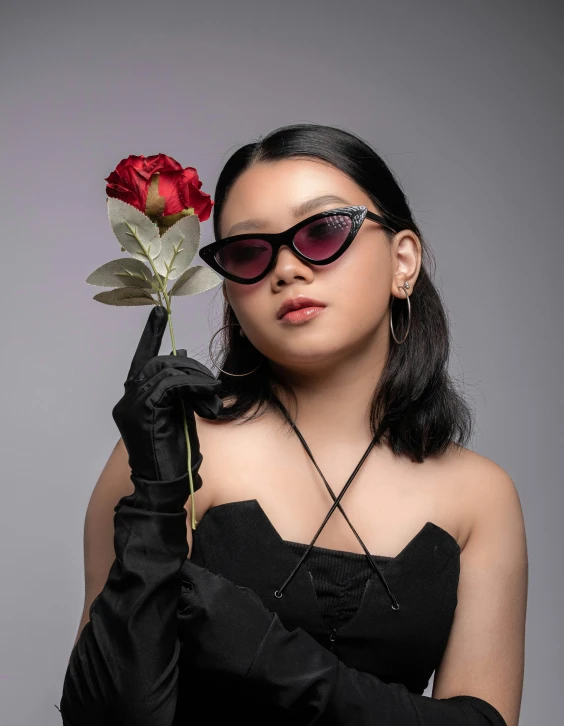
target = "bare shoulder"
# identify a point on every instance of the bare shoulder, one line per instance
(486, 483)
(212, 431)
(221, 441)
(490, 496)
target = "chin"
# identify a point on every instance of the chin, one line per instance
(307, 356)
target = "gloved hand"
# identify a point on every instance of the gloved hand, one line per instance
(149, 414)
(227, 629)
(220, 624)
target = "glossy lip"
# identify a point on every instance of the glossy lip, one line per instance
(301, 301)
(301, 316)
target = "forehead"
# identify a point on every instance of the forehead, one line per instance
(268, 192)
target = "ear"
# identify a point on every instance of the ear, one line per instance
(406, 260)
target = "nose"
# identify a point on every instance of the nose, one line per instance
(288, 266)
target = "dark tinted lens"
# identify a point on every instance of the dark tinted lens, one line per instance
(246, 258)
(323, 237)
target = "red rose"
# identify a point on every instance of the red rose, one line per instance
(160, 188)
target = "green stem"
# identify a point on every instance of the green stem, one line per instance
(186, 433)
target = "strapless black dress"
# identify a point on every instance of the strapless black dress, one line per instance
(389, 616)
(337, 597)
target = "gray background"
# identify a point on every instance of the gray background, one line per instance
(462, 99)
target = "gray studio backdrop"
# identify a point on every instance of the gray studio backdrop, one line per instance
(462, 100)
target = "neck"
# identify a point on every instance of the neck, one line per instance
(334, 398)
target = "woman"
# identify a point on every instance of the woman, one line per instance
(422, 569)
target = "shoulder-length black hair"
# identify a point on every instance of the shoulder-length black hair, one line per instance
(415, 406)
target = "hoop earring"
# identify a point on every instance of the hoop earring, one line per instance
(221, 369)
(404, 287)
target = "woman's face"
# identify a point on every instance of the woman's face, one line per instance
(355, 288)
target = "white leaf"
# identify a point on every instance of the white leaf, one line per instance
(133, 229)
(123, 272)
(183, 236)
(125, 296)
(196, 279)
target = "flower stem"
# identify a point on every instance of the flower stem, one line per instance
(189, 450)
(163, 285)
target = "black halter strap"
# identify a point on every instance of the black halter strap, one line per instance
(336, 504)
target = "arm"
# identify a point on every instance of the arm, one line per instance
(123, 667)
(113, 483)
(299, 675)
(486, 648)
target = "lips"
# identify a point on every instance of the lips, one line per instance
(297, 303)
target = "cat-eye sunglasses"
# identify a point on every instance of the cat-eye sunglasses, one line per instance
(320, 239)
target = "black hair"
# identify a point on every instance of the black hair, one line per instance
(415, 406)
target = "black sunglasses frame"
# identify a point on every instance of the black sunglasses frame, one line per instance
(357, 215)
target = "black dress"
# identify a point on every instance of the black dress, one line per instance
(389, 617)
(336, 597)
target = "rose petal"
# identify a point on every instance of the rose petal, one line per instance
(137, 162)
(170, 184)
(200, 201)
(130, 185)
(162, 162)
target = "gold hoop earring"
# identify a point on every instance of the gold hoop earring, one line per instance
(404, 287)
(221, 369)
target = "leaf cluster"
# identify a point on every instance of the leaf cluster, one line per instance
(154, 260)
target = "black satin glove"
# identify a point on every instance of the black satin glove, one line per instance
(149, 414)
(220, 624)
(227, 629)
(123, 670)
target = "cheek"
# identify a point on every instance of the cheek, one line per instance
(360, 283)
(244, 299)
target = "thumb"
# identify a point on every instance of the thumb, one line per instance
(150, 341)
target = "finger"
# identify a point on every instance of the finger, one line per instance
(150, 341)
(208, 406)
(192, 574)
(191, 363)
(173, 383)
(180, 362)
(188, 571)
(180, 352)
